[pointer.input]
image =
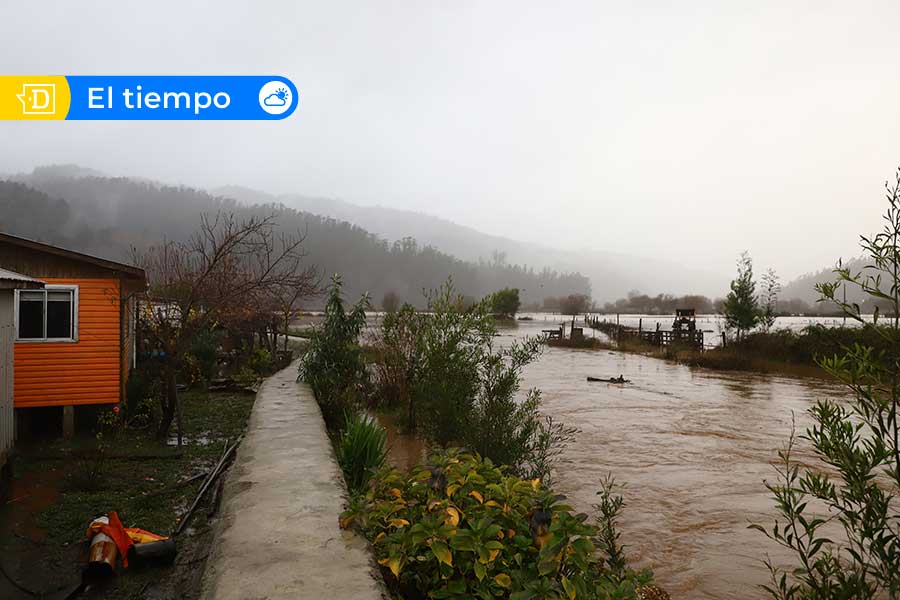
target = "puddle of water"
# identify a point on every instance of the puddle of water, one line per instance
(28, 495)
(404, 451)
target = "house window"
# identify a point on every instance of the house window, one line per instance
(50, 314)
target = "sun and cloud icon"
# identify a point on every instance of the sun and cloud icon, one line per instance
(275, 98)
(278, 98)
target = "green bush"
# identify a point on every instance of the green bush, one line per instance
(398, 361)
(247, 377)
(333, 364)
(805, 346)
(457, 389)
(459, 527)
(205, 352)
(454, 342)
(505, 303)
(260, 362)
(140, 389)
(361, 450)
(837, 508)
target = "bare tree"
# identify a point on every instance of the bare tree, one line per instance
(228, 266)
(287, 296)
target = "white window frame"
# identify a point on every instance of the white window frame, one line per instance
(50, 288)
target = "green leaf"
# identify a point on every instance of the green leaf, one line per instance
(569, 587)
(442, 552)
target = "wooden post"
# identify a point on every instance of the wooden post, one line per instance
(723, 339)
(640, 327)
(68, 421)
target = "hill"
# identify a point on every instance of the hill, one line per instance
(804, 287)
(612, 275)
(110, 216)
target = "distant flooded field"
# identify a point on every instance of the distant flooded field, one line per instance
(693, 447)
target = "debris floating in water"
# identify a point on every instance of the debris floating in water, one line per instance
(619, 379)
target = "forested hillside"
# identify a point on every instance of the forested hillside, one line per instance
(110, 216)
(612, 275)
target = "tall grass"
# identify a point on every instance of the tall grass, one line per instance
(361, 451)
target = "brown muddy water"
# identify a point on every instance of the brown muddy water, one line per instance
(693, 447)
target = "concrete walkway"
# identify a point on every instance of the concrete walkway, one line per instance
(278, 536)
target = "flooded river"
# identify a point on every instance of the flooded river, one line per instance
(693, 447)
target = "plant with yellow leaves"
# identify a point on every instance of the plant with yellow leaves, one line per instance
(461, 527)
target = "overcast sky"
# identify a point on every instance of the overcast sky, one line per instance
(683, 130)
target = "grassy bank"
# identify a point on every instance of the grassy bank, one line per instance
(59, 486)
(782, 351)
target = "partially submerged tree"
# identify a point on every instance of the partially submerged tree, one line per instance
(741, 306)
(456, 389)
(768, 299)
(505, 303)
(574, 304)
(857, 492)
(227, 266)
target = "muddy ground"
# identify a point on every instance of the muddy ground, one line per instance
(59, 486)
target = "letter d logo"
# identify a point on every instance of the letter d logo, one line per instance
(38, 98)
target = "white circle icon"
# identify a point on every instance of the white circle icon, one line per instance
(276, 98)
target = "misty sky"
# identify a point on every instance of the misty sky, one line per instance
(685, 130)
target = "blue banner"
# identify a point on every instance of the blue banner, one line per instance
(180, 97)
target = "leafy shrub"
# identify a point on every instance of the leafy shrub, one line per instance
(499, 426)
(805, 346)
(204, 354)
(260, 361)
(459, 527)
(247, 377)
(361, 451)
(545, 448)
(140, 389)
(333, 365)
(454, 343)
(455, 388)
(398, 360)
(852, 489)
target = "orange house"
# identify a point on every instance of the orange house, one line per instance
(74, 339)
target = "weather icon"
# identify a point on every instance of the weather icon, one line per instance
(275, 98)
(279, 98)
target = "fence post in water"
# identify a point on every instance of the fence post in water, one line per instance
(723, 339)
(640, 327)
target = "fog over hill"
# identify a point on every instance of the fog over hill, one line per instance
(612, 275)
(108, 216)
(804, 287)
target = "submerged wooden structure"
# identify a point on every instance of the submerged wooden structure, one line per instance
(684, 331)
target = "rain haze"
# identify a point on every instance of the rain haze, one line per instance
(685, 133)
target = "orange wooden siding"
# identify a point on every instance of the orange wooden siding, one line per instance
(84, 372)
